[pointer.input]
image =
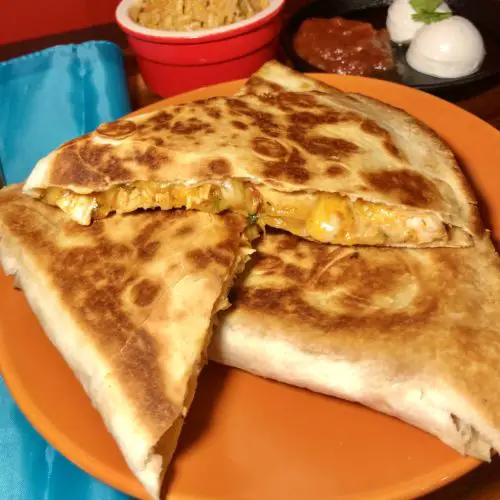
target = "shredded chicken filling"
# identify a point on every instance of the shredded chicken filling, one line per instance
(323, 217)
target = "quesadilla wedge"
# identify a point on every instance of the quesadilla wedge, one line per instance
(326, 165)
(413, 333)
(129, 303)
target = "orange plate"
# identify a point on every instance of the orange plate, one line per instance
(245, 437)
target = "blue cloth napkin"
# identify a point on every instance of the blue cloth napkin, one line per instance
(47, 98)
(52, 96)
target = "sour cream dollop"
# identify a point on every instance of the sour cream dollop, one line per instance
(400, 23)
(451, 48)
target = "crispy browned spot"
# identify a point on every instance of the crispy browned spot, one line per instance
(291, 169)
(269, 129)
(234, 223)
(79, 257)
(261, 119)
(239, 125)
(304, 119)
(267, 99)
(161, 117)
(115, 273)
(142, 241)
(227, 245)
(296, 273)
(297, 99)
(191, 126)
(199, 258)
(148, 251)
(212, 112)
(161, 121)
(328, 147)
(308, 119)
(222, 256)
(335, 170)
(351, 116)
(371, 127)
(407, 187)
(257, 83)
(203, 258)
(158, 141)
(118, 129)
(220, 166)
(112, 251)
(393, 150)
(288, 243)
(268, 147)
(144, 292)
(152, 158)
(113, 168)
(184, 230)
(71, 169)
(93, 154)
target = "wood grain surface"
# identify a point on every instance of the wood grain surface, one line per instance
(482, 99)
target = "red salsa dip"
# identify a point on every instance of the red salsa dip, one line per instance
(343, 46)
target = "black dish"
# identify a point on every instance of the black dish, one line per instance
(485, 14)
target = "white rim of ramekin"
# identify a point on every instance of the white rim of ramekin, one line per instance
(123, 18)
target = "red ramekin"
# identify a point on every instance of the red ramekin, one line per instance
(172, 62)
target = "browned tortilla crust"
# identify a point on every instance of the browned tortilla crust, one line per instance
(282, 130)
(406, 321)
(129, 303)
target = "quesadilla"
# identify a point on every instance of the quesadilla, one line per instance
(325, 165)
(413, 333)
(129, 303)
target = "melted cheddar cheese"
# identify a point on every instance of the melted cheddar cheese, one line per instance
(327, 218)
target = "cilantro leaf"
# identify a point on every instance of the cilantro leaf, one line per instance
(425, 11)
(431, 17)
(425, 5)
(253, 218)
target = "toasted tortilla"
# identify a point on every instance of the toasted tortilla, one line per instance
(129, 304)
(414, 333)
(295, 154)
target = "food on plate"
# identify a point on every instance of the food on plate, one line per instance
(326, 165)
(129, 303)
(343, 46)
(442, 45)
(410, 332)
(452, 48)
(191, 15)
(406, 17)
(413, 333)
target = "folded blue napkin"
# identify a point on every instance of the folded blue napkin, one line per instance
(47, 98)
(52, 96)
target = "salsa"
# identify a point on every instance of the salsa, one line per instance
(343, 46)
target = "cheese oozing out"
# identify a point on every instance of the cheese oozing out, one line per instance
(323, 217)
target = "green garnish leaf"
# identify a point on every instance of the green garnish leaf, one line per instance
(253, 219)
(431, 17)
(425, 11)
(425, 5)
